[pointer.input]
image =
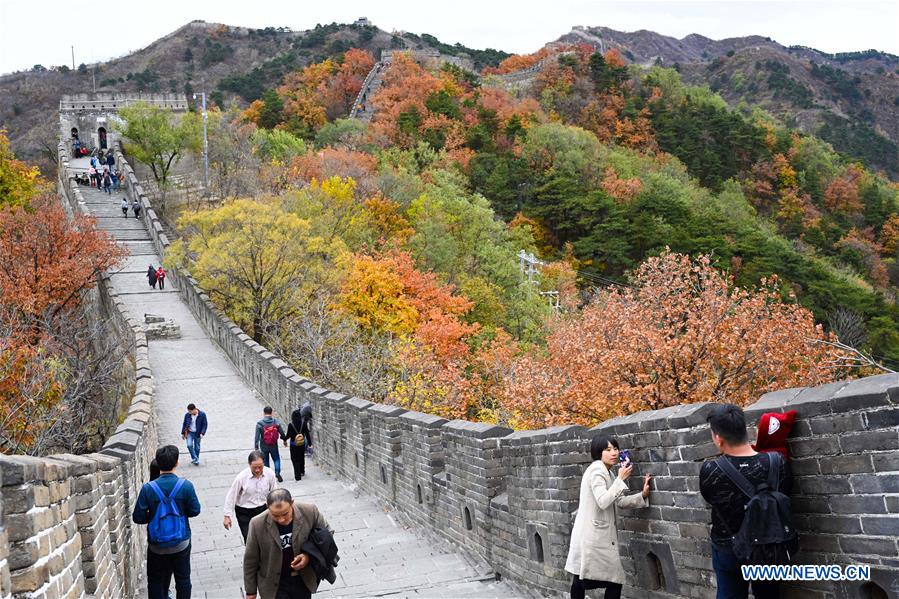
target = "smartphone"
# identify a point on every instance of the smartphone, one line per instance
(624, 458)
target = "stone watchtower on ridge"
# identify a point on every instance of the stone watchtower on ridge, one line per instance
(90, 116)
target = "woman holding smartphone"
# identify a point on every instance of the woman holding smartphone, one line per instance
(593, 555)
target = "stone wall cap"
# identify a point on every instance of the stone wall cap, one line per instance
(386, 410)
(358, 403)
(104, 461)
(79, 465)
(335, 396)
(19, 469)
(880, 384)
(477, 430)
(425, 420)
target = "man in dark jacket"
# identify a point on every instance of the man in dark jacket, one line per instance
(173, 557)
(273, 564)
(728, 427)
(192, 430)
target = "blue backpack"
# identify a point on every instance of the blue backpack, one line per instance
(168, 524)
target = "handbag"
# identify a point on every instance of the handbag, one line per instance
(299, 440)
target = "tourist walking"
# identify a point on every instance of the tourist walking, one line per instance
(299, 436)
(135, 207)
(124, 207)
(593, 555)
(275, 563)
(721, 483)
(246, 497)
(165, 504)
(115, 179)
(194, 425)
(268, 432)
(160, 277)
(107, 183)
(151, 276)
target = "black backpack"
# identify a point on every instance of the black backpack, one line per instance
(767, 535)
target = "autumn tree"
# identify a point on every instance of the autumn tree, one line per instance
(52, 259)
(233, 163)
(682, 333)
(842, 195)
(159, 138)
(254, 259)
(19, 182)
(57, 371)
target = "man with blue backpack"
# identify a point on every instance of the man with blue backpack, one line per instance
(164, 505)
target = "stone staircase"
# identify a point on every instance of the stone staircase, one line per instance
(363, 109)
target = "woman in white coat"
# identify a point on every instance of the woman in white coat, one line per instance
(593, 555)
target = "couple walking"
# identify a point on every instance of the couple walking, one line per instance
(135, 207)
(298, 437)
(156, 275)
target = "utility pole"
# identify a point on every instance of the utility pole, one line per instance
(73, 58)
(528, 264)
(205, 144)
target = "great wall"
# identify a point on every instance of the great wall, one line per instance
(507, 497)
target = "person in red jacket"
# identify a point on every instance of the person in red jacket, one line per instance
(160, 277)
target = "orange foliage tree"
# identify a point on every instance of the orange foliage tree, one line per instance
(683, 333)
(842, 193)
(51, 259)
(439, 370)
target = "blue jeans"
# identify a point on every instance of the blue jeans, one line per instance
(730, 578)
(159, 574)
(271, 450)
(193, 447)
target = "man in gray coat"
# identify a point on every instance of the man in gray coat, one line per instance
(273, 565)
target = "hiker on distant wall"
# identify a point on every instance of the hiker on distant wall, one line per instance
(165, 504)
(268, 432)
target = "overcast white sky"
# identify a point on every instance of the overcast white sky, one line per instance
(43, 31)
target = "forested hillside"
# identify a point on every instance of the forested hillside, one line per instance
(227, 62)
(409, 230)
(849, 99)
(597, 238)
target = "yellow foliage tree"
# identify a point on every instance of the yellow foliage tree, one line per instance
(255, 259)
(18, 181)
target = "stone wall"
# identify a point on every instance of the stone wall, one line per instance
(65, 520)
(510, 497)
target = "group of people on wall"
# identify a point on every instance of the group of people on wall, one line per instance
(290, 546)
(747, 488)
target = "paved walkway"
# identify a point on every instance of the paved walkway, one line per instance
(379, 556)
